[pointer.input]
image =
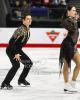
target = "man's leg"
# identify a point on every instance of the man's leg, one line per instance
(27, 66)
(11, 73)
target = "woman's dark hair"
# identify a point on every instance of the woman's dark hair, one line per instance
(68, 8)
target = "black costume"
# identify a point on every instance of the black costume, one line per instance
(68, 44)
(17, 41)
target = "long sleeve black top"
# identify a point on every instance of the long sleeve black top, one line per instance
(19, 39)
(72, 26)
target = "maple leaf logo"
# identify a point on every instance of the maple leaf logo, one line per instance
(53, 35)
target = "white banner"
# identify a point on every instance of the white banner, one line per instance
(38, 35)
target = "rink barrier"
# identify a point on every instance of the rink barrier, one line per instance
(39, 45)
(39, 38)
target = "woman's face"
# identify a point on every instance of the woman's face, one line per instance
(72, 12)
(27, 21)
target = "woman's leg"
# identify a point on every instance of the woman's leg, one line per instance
(76, 59)
(65, 71)
(67, 86)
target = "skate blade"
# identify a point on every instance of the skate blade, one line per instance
(70, 92)
(5, 88)
(21, 85)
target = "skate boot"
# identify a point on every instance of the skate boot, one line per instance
(73, 83)
(24, 83)
(68, 88)
(6, 86)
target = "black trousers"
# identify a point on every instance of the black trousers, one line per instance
(25, 60)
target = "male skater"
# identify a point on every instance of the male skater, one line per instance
(16, 54)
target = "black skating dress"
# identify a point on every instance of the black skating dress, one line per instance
(68, 48)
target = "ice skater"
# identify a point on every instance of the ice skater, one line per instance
(68, 49)
(16, 55)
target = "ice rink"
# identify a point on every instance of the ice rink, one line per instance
(44, 77)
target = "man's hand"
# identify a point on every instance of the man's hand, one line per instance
(17, 57)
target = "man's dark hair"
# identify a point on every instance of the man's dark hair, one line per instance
(25, 13)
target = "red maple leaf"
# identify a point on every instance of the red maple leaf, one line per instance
(52, 35)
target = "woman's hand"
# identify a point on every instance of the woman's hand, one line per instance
(17, 57)
(77, 16)
(75, 46)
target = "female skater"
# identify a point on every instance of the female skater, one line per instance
(68, 49)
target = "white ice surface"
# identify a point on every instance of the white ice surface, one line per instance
(44, 77)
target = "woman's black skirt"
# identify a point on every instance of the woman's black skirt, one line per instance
(67, 51)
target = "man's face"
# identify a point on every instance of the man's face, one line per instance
(72, 12)
(27, 21)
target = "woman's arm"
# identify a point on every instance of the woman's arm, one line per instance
(68, 24)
